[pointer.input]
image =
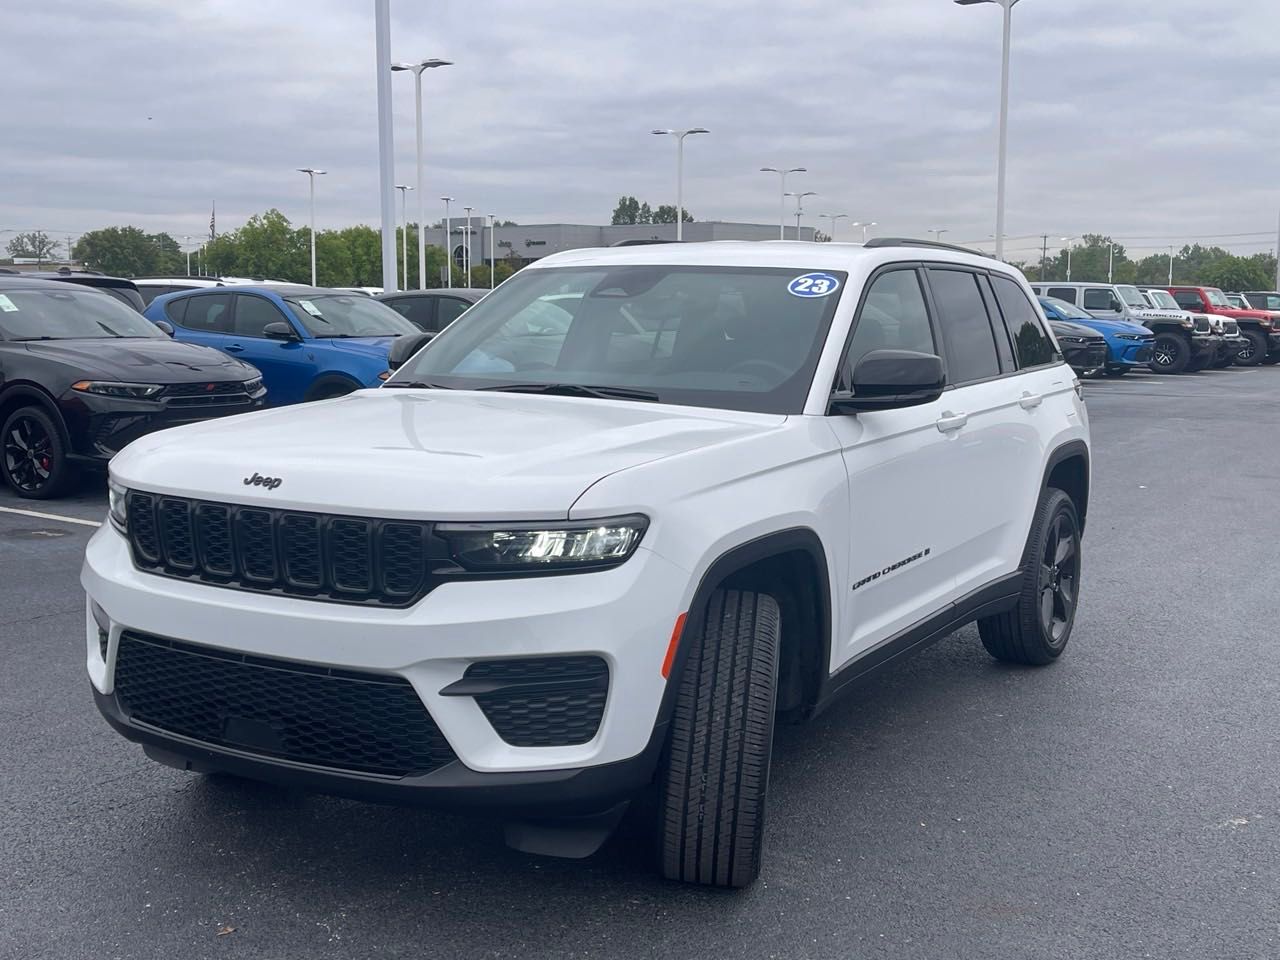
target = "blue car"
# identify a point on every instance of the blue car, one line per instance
(1129, 345)
(309, 343)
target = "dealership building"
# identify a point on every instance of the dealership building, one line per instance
(534, 241)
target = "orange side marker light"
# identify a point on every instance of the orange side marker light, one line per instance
(671, 647)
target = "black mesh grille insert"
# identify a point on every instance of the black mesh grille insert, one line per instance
(543, 701)
(344, 720)
(312, 555)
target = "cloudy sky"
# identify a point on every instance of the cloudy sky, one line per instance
(1153, 121)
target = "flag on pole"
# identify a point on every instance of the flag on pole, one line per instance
(213, 221)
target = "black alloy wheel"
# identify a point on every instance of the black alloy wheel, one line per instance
(32, 457)
(1171, 353)
(1059, 578)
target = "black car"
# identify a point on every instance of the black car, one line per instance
(81, 375)
(126, 291)
(1083, 348)
(431, 310)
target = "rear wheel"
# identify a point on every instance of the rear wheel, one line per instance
(1170, 354)
(1037, 629)
(1255, 351)
(33, 458)
(716, 770)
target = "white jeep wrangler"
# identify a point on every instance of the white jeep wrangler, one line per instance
(598, 534)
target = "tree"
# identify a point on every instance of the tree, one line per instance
(667, 214)
(35, 244)
(820, 237)
(646, 215)
(631, 211)
(1089, 261)
(129, 252)
(627, 211)
(1236, 273)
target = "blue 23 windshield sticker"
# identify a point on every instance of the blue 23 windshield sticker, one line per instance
(813, 285)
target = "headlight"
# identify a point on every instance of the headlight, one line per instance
(112, 388)
(531, 547)
(254, 387)
(118, 505)
(1188, 322)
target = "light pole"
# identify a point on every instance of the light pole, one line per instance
(782, 195)
(833, 217)
(937, 234)
(1171, 265)
(404, 232)
(448, 244)
(468, 254)
(1007, 6)
(493, 256)
(799, 202)
(386, 143)
(186, 242)
(865, 227)
(1111, 260)
(679, 135)
(417, 69)
(999, 243)
(1068, 241)
(312, 173)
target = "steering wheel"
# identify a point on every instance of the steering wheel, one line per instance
(746, 366)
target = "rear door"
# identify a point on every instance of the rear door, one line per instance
(286, 368)
(203, 318)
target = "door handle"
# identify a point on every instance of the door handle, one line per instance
(1029, 401)
(234, 348)
(950, 422)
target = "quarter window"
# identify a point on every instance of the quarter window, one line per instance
(1063, 293)
(966, 327)
(893, 317)
(1033, 346)
(176, 310)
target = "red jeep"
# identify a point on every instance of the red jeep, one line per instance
(1260, 327)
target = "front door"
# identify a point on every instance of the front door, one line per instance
(286, 366)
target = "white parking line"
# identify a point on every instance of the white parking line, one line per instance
(50, 516)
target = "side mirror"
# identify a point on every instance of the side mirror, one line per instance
(165, 327)
(279, 330)
(405, 346)
(891, 380)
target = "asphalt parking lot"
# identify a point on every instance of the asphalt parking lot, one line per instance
(1121, 803)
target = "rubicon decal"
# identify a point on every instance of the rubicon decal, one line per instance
(892, 567)
(258, 480)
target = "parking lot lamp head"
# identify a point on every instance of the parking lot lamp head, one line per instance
(679, 135)
(417, 69)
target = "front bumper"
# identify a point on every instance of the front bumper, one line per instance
(1084, 357)
(1232, 345)
(1273, 342)
(1130, 353)
(623, 615)
(1205, 344)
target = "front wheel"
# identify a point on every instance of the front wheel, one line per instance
(33, 458)
(1255, 351)
(1170, 354)
(1036, 630)
(716, 770)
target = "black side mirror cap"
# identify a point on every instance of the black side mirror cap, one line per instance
(165, 327)
(892, 380)
(279, 330)
(405, 346)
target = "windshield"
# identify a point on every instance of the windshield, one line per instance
(69, 314)
(739, 338)
(348, 315)
(1131, 295)
(1068, 311)
(1217, 297)
(1163, 299)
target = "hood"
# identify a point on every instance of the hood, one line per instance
(1112, 326)
(375, 347)
(1063, 328)
(430, 454)
(143, 360)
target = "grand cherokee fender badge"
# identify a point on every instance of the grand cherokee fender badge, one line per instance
(258, 480)
(892, 567)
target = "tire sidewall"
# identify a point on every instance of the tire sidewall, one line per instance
(61, 471)
(1181, 353)
(1058, 504)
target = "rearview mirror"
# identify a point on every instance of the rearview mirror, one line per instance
(279, 330)
(164, 326)
(405, 346)
(891, 380)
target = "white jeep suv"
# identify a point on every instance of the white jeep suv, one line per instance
(598, 534)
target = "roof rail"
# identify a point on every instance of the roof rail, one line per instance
(910, 242)
(640, 242)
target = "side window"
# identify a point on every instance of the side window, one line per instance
(1099, 298)
(176, 310)
(1188, 299)
(209, 314)
(1029, 339)
(254, 313)
(966, 327)
(448, 310)
(893, 317)
(1063, 293)
(420, 311)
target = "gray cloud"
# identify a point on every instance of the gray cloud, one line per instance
(1123, 121)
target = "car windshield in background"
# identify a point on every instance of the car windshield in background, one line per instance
(741, 338)
(68, 314)
(1068, 311)
(348, 315)
(1217, 298)
(1131, 295)
(1164, 299)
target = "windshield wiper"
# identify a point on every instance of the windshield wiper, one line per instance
(334, 336)
(42, 337)
(417, 385)
(577, 390)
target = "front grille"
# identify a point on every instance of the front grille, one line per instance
(225, 394)
(1097, 355)
(1144, 354)
(542, 701)
(342, 720)
(310, 555)
(1202, 324)
(1230, 327)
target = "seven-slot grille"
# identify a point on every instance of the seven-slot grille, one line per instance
(345, 720)
(1202, 324)
(224, 394)
(311, 555)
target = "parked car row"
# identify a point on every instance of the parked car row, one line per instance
(1170, 329)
